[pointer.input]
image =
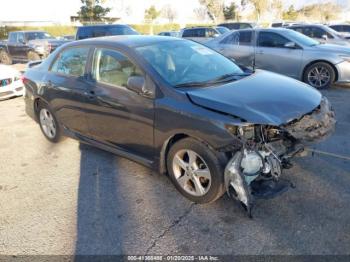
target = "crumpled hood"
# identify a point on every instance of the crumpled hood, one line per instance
(262, 98)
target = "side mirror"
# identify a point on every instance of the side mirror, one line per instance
(325, 37)
(136, 84)
(291, 45)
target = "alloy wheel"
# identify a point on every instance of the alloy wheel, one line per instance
(191, 172)
(47, 123)
(319, 76)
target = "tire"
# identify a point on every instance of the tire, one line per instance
(48, 123)
(5, 58)
(32, 56)
(184, 181)
(314, 79)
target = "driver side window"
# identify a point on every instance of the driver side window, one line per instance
(268, 39)
(112, 67)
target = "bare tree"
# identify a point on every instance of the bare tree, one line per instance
(200, 13)
(260, 7)
(214, 9)
(277, 7)
(169, 13)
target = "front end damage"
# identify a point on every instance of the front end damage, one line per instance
(255, 169)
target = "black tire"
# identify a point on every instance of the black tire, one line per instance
(324, 66)
(5, 58)
(57, 135)
(33, 56)
(212, 161)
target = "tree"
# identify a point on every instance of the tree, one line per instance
(214, 9)
(260, 7)
(92, 11)
(200, 13)
(230, 11)
(277, 7)
(291, 14)
(320, 12)
(151, 14)
(170, 13)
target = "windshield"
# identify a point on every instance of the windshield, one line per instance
(222, 29)
(182, 62)
(38, 35)
(301, 39)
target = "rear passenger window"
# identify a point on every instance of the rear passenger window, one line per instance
(245, 37)
(71, 61)
(238, 38)
(112, 67)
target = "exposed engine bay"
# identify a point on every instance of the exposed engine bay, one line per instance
(255, 170)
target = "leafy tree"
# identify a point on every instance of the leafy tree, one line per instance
(230, 11)
(291, 14)
(214, 9)
(92, 11)
(151, 14)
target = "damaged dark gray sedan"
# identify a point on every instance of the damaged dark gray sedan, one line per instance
(182, 109)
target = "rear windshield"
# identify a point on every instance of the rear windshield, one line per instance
(97, 31)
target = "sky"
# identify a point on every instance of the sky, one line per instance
(61, 10)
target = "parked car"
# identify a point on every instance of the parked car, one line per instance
(169, 33)
(10, 82)
(287, 52)
(68, 37)
(343, 29)
(238, 25)
(321, 33)
(91, 31)
(285, 24)
(27, 46)
(179, 107)
(199, 34)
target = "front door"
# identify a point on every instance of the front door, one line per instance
(272, 54)
(68, 89)
(118, 116)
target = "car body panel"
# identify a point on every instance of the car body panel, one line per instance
(248, 98)
(10, 82)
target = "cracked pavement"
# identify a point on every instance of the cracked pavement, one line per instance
(70, 198)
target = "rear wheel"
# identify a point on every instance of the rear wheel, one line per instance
(48, 124)
(195, 171)
(5, 58)
(32, 56)
(319, 75)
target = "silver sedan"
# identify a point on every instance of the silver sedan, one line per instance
(287, 52)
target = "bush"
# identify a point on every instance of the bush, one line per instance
(58, 30)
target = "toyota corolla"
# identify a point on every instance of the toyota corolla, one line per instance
(180, 108)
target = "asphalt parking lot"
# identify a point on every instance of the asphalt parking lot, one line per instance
(70, 198)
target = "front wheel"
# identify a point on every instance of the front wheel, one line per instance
(320, 75)
(195, 170)
(48, 124)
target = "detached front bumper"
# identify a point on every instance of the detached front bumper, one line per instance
(16, 88)
(343, 70)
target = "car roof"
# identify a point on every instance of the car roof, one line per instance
(127, 40)
(29, 31)
(103, 25)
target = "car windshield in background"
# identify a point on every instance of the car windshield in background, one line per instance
(222, 29)
(186, 63)
(301, 38)
(38, 35)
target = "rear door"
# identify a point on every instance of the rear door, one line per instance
(12, 44)
(118, 116)
(239, 45)
(67, 88)
(271, 54)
